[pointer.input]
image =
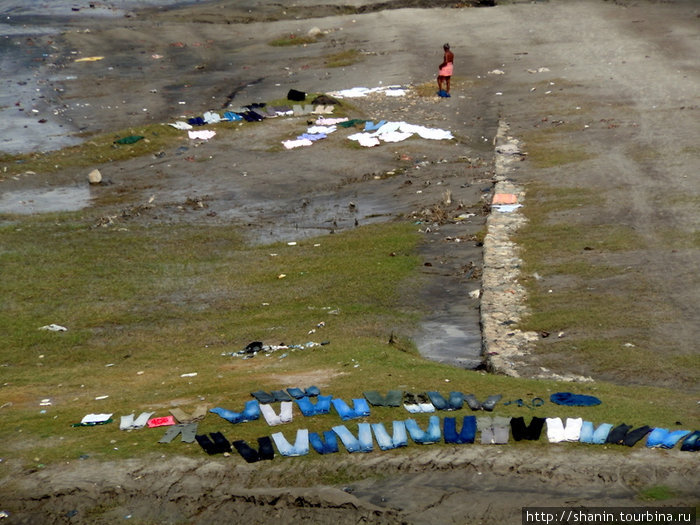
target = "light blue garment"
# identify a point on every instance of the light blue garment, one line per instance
(362, 443)
(251, 412)
(371, 126)
(674, 437)
(586, 432)
(328, 445)
(386, 442)
(230, 115)
(601, 433)
(300, 447)
(432, 435)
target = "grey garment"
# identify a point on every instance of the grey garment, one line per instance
(490, 402)
(484, 422)
(129, 423)
(501, 434)
(472, 401)
(487, 436)
(392, 399)
(188, 432)
(501, 421)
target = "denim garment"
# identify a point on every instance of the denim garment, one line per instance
(656, 437)
(361, 408)
(330, 445)
(250, 454)
(600, 435)
(467, 433)
(674, 437)
(300, 447)
(251, 412)
(455, 401)
(280, 395)
(586, 435)
(296, 393)
(386, 442)
(306, 406)
(439, 402)
(362, 443)
(313, 391)
(263, 397)
(692, 442)
(432, 435)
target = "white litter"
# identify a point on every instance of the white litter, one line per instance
(54, 328)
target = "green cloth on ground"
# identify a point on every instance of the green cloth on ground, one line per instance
(131, 139)
(351, 123)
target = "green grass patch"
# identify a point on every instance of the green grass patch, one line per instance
(656, 493)
(294, 40)
(343, 58)
(98, 149)
(544, 150)
(145, 305)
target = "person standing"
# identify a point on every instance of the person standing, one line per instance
(445, 72)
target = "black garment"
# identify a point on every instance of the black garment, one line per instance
(219, 444)
(196, 121)
(530, 432)
(298, 96)
(617, 434)
(633, 436)
(250, 454)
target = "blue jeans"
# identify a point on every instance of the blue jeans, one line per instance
(674, 437)
(329, 447)
(387, 442)
(586, 432)
(467, 434)
(361, 408)
(432, 435)
(300, 447)
(251, 412)
(322, 405)
(361, 443)
(600, 435)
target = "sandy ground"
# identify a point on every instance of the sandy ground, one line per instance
(629, 67)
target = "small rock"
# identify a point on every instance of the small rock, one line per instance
(95, 177)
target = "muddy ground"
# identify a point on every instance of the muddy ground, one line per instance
(624, 72)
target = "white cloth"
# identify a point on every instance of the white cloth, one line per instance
(211, 118)
(572, 431)
(395, 136)
(312, 130)
(291, 144)
(325, 121)
(555, 430)
(129, 423)
(95, 418)
(203, 134)
(180, 125)
(365, 139)
(285, 415)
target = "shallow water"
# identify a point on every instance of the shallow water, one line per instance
(45, 200)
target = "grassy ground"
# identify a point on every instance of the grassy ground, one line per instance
(145, 304)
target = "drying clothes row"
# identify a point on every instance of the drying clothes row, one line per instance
(575, 429)
(494, 430)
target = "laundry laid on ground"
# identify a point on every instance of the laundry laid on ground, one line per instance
(252, 349)
(277, 408)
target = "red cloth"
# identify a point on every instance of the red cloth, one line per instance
(161, 421)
